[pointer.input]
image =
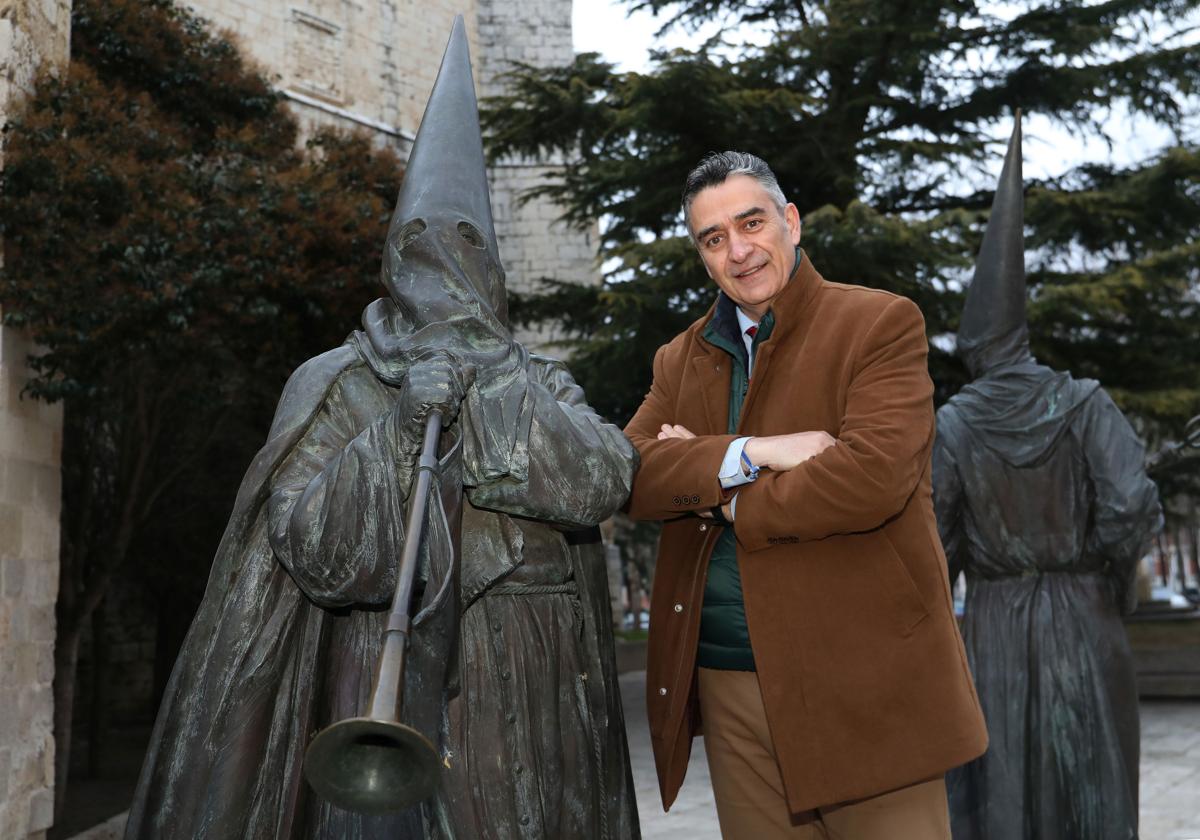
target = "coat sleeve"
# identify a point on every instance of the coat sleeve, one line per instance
(948, 496)
(579, 468)
(676, 477)
(1126, 511)
(881, 451)
(336, 507)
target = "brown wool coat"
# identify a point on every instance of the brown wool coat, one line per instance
(862, 670)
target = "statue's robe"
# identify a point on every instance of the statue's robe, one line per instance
(288, 633)
(1043, 500)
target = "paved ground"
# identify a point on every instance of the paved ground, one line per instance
(1170, 795)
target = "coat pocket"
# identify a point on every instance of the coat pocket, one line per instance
(899, 587)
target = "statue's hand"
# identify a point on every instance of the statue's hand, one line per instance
(437, 382)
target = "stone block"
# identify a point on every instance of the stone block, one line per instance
(50, 12)
(41, 623)
(10, 723)
(20, 481)
(41, 577)
(40, 535)
(41, 810)
(12, 577)
(47, 487)
(27, 664)
(8, 666)
(11, 530)
(45, 664)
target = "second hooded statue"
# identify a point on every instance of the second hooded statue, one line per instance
(511, 667)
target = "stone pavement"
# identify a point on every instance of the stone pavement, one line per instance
(1170, 794)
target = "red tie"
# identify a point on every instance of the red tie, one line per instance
(752, 331)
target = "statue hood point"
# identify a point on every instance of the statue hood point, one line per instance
(994, 331)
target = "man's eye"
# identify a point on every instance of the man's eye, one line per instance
(753, 223)
(712, 241)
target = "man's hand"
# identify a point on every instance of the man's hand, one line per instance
(677, 432)
(782, 452)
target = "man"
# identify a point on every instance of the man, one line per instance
(520, 695)
(1043, 500)
(801, 612)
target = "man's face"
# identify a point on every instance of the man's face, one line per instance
(748, 245)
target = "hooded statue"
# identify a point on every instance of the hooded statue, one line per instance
(1042, 500)
(511, 670)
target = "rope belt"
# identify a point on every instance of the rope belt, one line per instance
(567, 588)
(522, 589)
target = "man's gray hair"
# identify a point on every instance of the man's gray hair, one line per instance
(716, 167)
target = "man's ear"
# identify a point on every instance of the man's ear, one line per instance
(792, 216)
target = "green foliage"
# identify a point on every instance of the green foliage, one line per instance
(879, 119)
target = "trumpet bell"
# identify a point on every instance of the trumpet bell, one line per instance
(372, 766)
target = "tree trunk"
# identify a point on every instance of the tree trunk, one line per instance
(98, 707)
(1192, 526)
(1195, 532)
(631, 596)
(66, 658)
(1162, 559)
(1179, 551)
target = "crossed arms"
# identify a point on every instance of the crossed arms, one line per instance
(814, 484)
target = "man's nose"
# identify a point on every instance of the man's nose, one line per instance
(739, 248)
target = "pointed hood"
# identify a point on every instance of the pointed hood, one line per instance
(994, 331)
(441, 267)
(442, 225)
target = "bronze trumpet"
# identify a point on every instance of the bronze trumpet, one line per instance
(374, 764)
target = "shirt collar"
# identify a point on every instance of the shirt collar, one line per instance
(744, 320)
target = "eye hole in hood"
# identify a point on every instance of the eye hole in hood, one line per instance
(408, 232)
(471, 233)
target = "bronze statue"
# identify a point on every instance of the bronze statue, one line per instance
(510, 671)
(1043, 501)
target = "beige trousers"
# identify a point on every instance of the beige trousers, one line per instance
(749, 790)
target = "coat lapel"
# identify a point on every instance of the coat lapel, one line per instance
(712, 370)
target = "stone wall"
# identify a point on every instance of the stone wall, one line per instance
(34, 34)
(534, 244)
(346, 62)
(351, 63)
(30, 445)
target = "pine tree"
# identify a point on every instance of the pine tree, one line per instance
(880, 119)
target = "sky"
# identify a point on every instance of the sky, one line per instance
(606, 27)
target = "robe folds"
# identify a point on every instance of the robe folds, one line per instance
(511, 671)
(1043, 501)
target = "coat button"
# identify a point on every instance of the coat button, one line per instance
(662, 692)
(703, 526)
(695, 500)
(679, 608)
(675, 500)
